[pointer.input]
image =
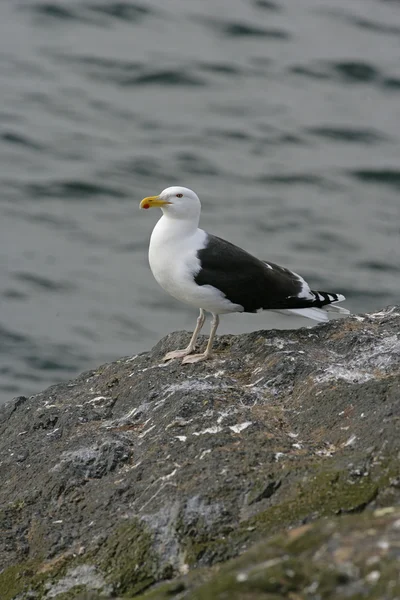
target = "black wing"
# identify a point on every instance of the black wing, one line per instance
(252, 283)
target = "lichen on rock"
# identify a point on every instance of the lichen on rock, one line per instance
(163, 480)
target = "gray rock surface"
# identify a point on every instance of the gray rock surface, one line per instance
(141, 472)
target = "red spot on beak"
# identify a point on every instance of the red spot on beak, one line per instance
(146, 205)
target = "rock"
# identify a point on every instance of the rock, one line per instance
(278, 461)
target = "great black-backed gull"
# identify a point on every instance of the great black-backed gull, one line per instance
(205, 271)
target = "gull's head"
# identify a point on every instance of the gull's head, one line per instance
(176, 202)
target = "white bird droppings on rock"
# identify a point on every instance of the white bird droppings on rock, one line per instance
(97, 399)
(212, 430)
(335, 372)
(373, 577)
(396, 524)
(383, 313)
(204, 453)
(144, 433)
(240, 426)
(132, 358)
(383, 545)
(278, 455)
(350, 441)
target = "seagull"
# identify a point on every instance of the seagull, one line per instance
(216, 276)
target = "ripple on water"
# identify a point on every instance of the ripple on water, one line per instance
(377, 27)
(18, 139)
(325, 241)
(51, 10)
(102, 69)
(391, 83)
(354, 72)
(165, 77)
(237, 29)
(42, 283)
(100, 13)
(380, 266)
(33, 362)
(267, 5)
(145, 167)
(283, 139)
(196, 165)
(293, 179)
(14, 294)
(73, 190)
(363, 22)
(130, 73)
(347, 134)
(229, 69)
(388, 177)
(229, 134)
(60, 223)
(126, 11)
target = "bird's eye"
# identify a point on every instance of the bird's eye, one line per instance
(179, 195)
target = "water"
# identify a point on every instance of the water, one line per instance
(284, 117)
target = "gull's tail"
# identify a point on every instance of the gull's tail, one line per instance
(337, 309)
(320, 313)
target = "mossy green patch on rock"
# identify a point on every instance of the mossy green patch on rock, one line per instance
(17, 579)
(164, 591)
(320, 493)
(303, 563)
(206, 550)
(305, 560)
(37, 579)
(127, 559)
(78, 591)
(324, 494)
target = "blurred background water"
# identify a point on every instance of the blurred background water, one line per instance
(284, 117)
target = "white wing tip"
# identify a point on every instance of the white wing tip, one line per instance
(337, 309)
(340, 298)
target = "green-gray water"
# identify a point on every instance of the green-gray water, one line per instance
(283, 116)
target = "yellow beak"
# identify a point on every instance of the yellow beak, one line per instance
(153, 201)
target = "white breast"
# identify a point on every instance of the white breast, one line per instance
(174, 264)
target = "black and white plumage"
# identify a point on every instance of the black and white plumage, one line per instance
(216, 276)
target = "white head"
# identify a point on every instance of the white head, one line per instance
(176, 202)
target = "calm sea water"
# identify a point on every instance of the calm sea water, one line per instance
(284, 117)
